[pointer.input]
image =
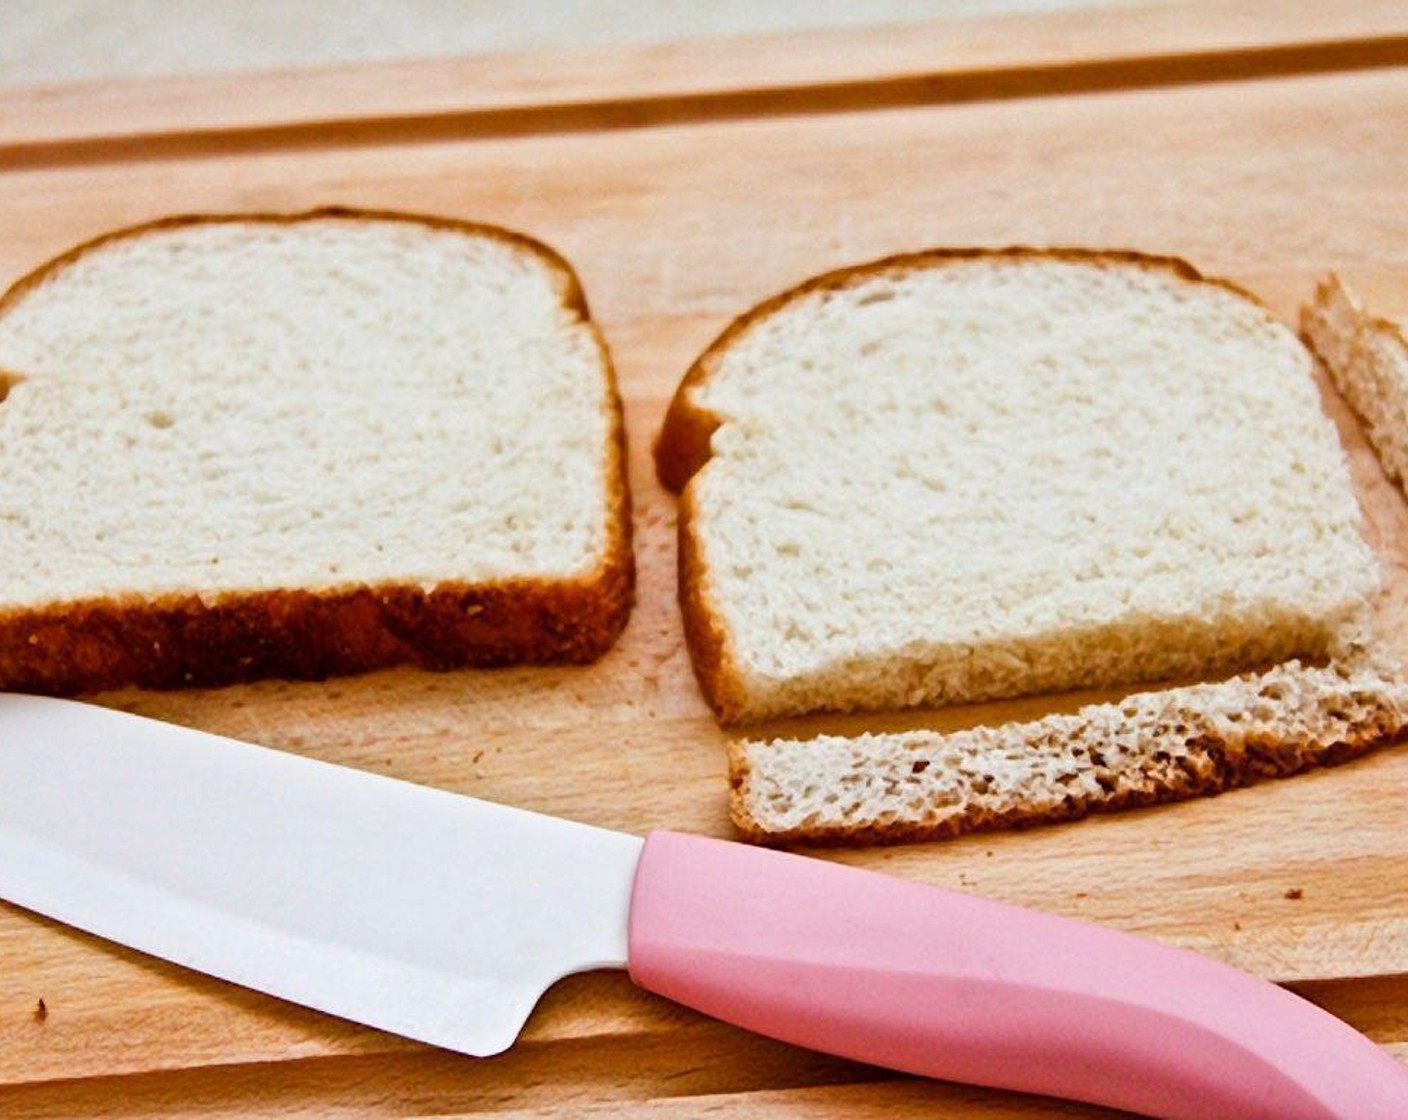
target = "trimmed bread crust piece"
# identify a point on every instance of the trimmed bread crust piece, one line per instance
(960, 475)
(127, 624)
(1368, 361)
(1149, 748)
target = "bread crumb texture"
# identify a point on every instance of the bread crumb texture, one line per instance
(1151, 747)
(954, 477)
(304, 445)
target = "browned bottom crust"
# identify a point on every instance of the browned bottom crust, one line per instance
(180, 641)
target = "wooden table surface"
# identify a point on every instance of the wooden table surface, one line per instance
(1264, 141)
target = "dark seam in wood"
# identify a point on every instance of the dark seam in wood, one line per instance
(956, 88)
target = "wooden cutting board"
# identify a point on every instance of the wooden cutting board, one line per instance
(1264, 141)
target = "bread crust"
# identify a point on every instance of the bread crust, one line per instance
(571, 289)
(1217, 770)
(682, 447)
(1366, 324)
(1333, 284)
(1215, 761)
(710, 650)
(178, 640)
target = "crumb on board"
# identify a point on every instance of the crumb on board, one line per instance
(1295, 894)
(41, 1010)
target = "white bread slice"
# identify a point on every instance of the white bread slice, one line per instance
(240, 446)
(961, 475)
(1148, 748)
(1367, 357)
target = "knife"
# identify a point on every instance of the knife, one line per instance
(443, 918)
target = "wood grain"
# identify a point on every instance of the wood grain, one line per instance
(814, 71)
(675, 228)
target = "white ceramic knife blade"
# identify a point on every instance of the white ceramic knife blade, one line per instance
(435, 916)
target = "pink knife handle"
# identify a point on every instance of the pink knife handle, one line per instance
(948, 985)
